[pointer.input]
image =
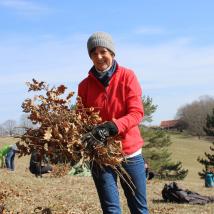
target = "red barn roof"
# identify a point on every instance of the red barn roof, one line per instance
(169, 123)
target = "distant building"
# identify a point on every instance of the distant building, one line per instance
(170, 124)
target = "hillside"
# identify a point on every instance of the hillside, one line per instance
(21, 192)
(186, 149)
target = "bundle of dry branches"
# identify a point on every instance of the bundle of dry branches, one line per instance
(60, 128)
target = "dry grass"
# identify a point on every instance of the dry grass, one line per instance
(21, 192)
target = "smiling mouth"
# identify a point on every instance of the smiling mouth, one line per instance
(101, 63)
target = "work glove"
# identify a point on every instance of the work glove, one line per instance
(100, 133)
(105, 130)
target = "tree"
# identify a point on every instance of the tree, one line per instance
(159, 159)
(24, 124)
(149, 108)
(155, 151)
(2, 131)
(9, 126)
(208, 162)
(193, 115)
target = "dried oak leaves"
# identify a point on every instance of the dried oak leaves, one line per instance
(59, 128)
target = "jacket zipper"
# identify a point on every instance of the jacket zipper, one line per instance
(106, 103)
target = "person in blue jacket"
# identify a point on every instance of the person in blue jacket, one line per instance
(9, 159)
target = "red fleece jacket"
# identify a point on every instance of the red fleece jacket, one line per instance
(120, 102)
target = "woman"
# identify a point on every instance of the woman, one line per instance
(116, 92)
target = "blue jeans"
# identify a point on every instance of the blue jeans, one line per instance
(9, 159)
(105, 180)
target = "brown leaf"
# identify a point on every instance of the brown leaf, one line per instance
(61, 89)
(71, 94)
(48, 134)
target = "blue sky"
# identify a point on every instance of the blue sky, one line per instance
(169, 44)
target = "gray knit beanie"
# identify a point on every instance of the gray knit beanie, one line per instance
(100, 39)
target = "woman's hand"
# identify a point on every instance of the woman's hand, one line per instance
(100, 133)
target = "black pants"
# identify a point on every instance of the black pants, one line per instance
(39, 171)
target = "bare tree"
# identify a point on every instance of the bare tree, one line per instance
(9, 126)
(2, 131)
(25, 123)
(194, 115)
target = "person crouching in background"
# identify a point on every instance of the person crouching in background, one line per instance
(37, 166)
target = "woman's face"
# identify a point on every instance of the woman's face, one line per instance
(102, 58)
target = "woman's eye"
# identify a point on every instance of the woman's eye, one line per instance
(103, 52)
(94, 54)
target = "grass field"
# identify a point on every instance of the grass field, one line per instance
(21, 192)
(187, 149)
